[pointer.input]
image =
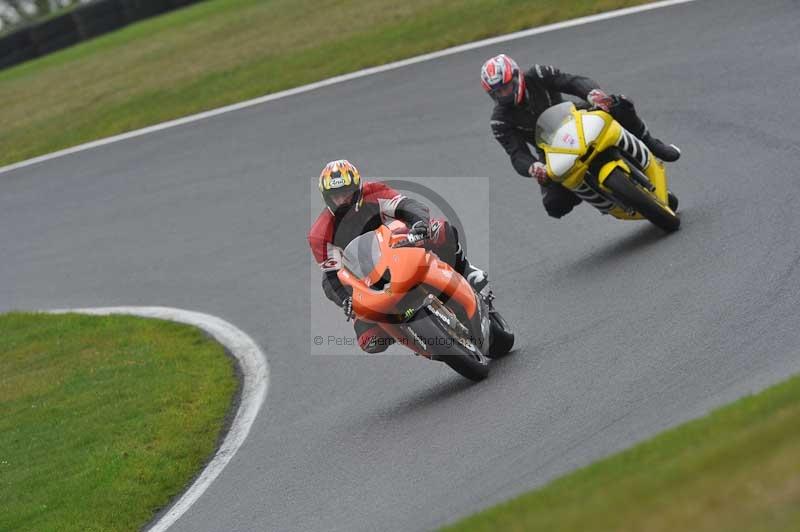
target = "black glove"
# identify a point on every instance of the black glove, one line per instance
(347, 306)
(419, 231)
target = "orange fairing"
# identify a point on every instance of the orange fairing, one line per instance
(445, 280)
(409, 267)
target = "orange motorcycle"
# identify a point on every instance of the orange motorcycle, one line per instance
(422, 302)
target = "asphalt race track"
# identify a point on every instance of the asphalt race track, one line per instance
(621, 331)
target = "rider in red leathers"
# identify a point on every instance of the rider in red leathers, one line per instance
(354, 207)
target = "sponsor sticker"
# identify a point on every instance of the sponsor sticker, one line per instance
(330, 264)
(440, 315)
(419, 340)
(469, 345)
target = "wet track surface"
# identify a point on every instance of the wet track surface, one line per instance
(621, 331)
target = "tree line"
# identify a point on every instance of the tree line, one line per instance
(16, 13)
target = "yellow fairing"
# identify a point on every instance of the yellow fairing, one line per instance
(605, 171)
(605, 139)
(583, 153)
(655, 171)
(609, 167)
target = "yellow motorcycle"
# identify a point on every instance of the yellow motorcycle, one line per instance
(590, 153)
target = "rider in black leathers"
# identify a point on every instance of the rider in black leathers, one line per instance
(519, 100)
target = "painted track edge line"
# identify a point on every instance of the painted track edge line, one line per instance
(342, 78)
(255, 383)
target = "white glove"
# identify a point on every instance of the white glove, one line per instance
(600, 99)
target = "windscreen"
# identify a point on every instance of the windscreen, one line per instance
(551, 120)
(362, 254)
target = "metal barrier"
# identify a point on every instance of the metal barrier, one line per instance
(80, 24)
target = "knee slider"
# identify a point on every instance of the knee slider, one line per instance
(374, 341)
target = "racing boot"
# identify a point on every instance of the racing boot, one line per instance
(668, 153)
(624, 112)
(476, 277)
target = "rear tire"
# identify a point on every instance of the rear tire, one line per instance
(672, 201)
(501, 338)
(641, 201)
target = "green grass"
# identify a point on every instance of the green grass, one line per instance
(103, 419)
(223, 51)
(736, 470)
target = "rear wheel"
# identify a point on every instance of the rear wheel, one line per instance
(501, 338)
(642, 202)
(672, 200)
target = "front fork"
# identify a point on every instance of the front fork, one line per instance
(653, 179)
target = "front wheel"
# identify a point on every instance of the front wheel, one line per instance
(461, 355)
(642, 202)
(466, 366)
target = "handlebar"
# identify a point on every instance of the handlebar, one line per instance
(410, 241)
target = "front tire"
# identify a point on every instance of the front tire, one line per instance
(466, 366)
(641, 201)
(469, 364)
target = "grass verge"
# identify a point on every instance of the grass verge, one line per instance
(735, 470)
(104, 419)
(223, 51)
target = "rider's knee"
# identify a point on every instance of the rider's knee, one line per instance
(374, 340)
(557, 211)
(558, 206)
